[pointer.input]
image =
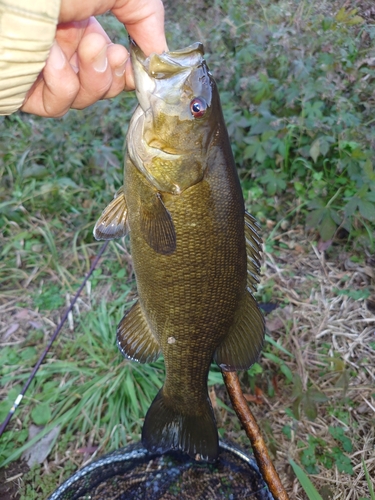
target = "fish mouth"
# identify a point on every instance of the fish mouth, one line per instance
(174, 66)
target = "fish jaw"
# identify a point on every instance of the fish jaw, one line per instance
(144, 84)
(168, 76)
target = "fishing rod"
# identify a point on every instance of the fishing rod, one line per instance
(53, 338)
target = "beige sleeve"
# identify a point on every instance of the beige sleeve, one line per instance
(27, 31)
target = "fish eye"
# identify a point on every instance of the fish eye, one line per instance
(198, 107)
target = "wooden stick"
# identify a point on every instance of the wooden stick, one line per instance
(254, 434)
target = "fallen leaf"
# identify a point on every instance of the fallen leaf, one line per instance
(370, 271)
(253, 399)
(40, 450)
(12, 329)
(363, 408)
(324, 245)
(258, 392)
(24, 314)
(257, 398)
(299, 248)
(275, 385)
(274, 324)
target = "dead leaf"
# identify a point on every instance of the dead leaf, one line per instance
(40, 450)
(257, 398)
(363, 408)
(24, 314)
(275, 385)
(299, 248)
(274, 324)
(253, 399)
(369, 271)
(324, 245)
(12, 329)
(258, 392)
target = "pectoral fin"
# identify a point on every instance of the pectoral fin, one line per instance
(112, 223)
(241, 347)
(253, 251)
(134, 337)
(157, 226)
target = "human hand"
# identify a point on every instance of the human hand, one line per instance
(84, 65)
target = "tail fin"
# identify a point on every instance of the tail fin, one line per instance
(166, 429)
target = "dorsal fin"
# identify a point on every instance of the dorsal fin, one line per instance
(157, 226)
(242, 346)
(134, 337)
(253, 251)
(112, 223)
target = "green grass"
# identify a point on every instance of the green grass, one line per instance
(85, 384)
(310, 491)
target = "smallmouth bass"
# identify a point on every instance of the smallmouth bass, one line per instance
(195, 249)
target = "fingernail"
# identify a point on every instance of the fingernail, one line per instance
(120, 70)
(56, 57)
(101, 61)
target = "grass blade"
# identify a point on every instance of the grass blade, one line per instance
(305, 482)
(368, 479)
(278, 346)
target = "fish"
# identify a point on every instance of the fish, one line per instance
(196, 251)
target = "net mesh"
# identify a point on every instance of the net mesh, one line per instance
(135, 474)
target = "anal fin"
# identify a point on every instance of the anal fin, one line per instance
(242, 346)
(157, 226)
(112, 223)
(134, 337)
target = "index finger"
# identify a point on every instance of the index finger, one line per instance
(143, 19)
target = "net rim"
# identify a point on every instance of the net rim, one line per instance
(122, 455)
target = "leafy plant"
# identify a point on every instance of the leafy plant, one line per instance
(307, 400)
(317, 452)
(294, 103)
